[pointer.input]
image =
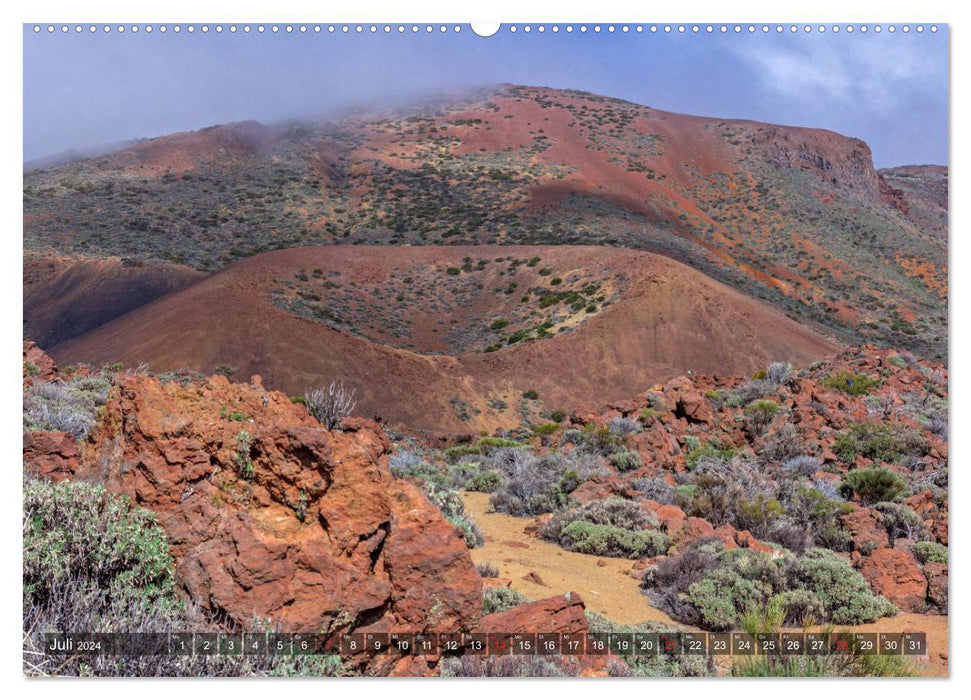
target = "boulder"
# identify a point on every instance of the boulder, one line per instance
(897, 576)
(694, 407)
(745, 539)
(52, 454)
(688, 530)
(600, 488)
(936, 573)
(561, 613)
(489, 582)
(865, 529)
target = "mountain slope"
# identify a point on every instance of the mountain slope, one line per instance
(653, 318)
(65, 297)
(799, 217)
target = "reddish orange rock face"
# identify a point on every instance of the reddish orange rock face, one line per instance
(272, 517)
(896, 575)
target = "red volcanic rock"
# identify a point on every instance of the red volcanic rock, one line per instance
(688, 530)
(562, 613)
(865, 529)
(496, 583)
(34, 357)
(727, 534)
(276, 518)
(600, 488)
(744, 538)
(936, 573)
(669, 513)
(533, 577)
(896, 575)
(694, 407)
(52, 454)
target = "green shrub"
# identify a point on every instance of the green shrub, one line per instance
(648, 415)
(242, 457)
(692, 442)
(609, 541)
(873, 485)
(533, 485)
(800, 607)
(900, 521)
(879, 442)
(719, 589)
(456, 451)
(558, 416)
(626, 460)
(495, 600)
(707, 452)
(849, 383)
(618, 512)
(75, 532)
(613, 527)
(842, 591)
(470, 531)
(762, 411)
(572, 435)
(485, 482)
(812, 508)
(546, 429)
(723, 596)
(531, 394)
(489, 443)
(926, 552)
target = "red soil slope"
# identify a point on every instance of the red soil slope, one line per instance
(669, 319)
(65, 297)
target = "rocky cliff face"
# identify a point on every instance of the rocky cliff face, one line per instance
(843, 162)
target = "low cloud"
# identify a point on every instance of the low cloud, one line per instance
(881, 72)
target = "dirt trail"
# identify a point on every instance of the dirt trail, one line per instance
(609, 589)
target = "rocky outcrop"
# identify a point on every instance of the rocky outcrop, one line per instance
(52, 454)
(865, 529)
(37, 364)
(837, 160)
(936, 573)
(896, 575)
(271, 517)
(562, 613)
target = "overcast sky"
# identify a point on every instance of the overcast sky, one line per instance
(84, 90)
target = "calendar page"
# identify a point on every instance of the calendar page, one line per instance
(437, 349)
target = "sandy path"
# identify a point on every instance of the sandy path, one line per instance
(612, 592)
(607, 589)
